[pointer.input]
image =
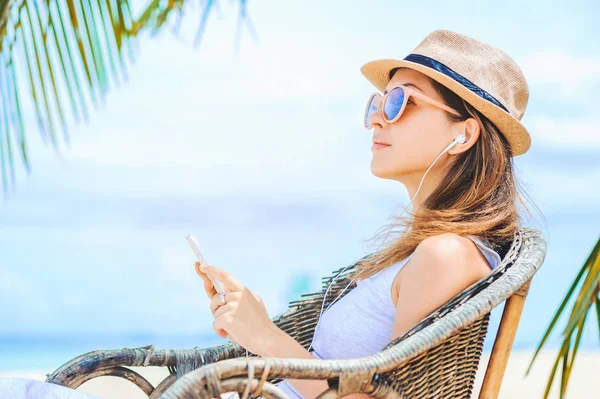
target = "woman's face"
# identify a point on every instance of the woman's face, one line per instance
(416, 139)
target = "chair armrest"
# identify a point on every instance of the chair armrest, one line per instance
(256, 376)
(382, 375)
(93, 364)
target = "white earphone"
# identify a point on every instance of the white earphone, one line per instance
(460, 138)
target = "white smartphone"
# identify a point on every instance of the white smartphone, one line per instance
(194, 245)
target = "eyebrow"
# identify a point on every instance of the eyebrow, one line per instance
(406, 84)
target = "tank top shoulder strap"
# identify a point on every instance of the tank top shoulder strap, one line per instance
(492, 257)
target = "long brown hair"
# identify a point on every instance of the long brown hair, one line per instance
(478, 196)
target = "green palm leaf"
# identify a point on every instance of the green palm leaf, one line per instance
(587, 297)
(70, 53)
(67, 57)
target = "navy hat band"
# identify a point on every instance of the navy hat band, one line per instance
(438, 66)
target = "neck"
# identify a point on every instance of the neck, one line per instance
(430, 183)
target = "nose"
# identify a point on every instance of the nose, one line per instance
(377, 120)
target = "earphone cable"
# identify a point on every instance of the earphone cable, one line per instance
(459, 139)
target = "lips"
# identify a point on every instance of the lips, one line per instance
(377, 140)
(377, 146)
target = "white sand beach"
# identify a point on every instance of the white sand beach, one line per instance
(584, 378)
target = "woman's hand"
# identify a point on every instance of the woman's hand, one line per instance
(243, 317)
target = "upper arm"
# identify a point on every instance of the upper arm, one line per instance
(440, 267)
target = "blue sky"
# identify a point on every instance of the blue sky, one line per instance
(263, 158)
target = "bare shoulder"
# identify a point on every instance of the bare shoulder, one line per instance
(445, 245)
(449, 251)
(441, 267)
(443, 259)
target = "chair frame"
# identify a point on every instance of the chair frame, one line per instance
(406, 367)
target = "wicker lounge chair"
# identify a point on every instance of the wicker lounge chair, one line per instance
(438, 358)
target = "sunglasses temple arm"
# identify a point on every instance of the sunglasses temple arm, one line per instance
(434, 102)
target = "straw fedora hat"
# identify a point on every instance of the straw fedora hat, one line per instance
(484, 76)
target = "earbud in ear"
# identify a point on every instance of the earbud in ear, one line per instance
(460, 138)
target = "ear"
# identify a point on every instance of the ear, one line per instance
(471, 129)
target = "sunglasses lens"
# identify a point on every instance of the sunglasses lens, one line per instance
(394, 103)
(371, 109)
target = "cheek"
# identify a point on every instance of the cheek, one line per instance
(422, 134)
(403, 157)
(415, 146)
(410, 145)
(410, 155)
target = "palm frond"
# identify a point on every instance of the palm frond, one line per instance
(587, 297)
(70, 53)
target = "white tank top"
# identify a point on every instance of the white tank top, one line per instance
(360, 323)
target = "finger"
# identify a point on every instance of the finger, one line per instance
(198, 268)
(215, 303)
(220, 332)
(230, 282)
(220, 324)
(222, 310)
(208, 284)
(209, 288)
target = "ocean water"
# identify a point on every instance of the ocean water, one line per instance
(125, 278)
(179, 319)
(50, 351)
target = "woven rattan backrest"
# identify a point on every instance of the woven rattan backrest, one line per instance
(301, 317)
(466, 343)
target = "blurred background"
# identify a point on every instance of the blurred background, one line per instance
(251, 139)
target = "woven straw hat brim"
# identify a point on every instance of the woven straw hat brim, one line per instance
(377, 72)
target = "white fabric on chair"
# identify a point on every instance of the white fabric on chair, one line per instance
(27, 388)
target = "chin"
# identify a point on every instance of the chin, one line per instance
(382, 173)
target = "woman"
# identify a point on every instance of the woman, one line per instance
(450, 111)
